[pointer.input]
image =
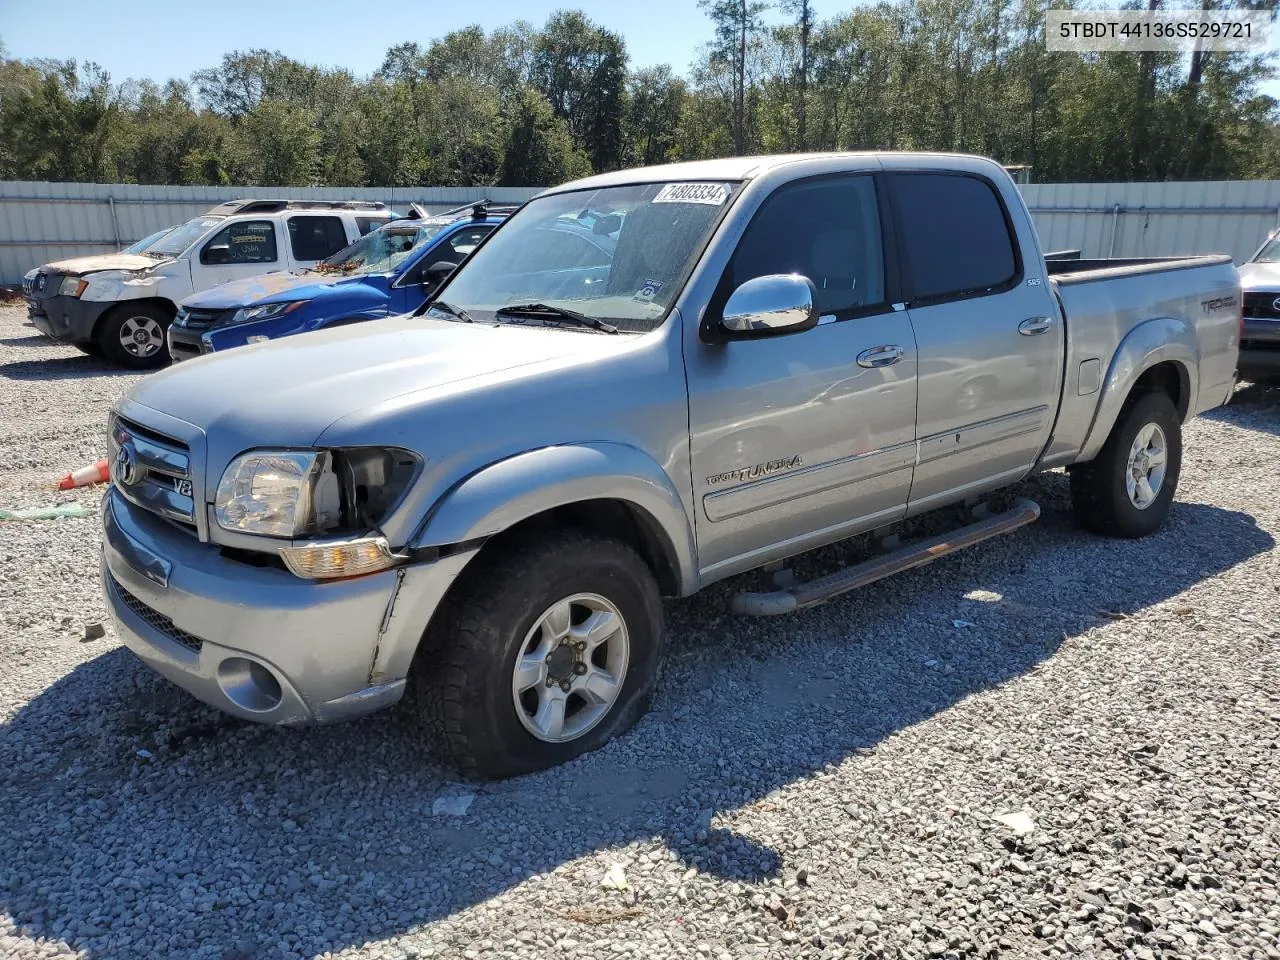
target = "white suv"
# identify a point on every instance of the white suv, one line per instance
(119, 305)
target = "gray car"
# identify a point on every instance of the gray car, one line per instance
(482, 504)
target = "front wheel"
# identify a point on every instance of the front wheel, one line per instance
(1126, 491)
(549, 648)
(133, 336)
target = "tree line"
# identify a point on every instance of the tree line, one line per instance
(525, 105)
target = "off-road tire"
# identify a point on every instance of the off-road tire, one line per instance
(1098, 492)
(107, 335)
(460, 684)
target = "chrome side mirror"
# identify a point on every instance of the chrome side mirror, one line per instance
(774, 304)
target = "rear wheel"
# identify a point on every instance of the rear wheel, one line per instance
(548, 649)
(1126, 491)
(133, 336)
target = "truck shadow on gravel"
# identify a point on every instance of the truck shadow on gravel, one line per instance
(1254, 406)
(137, 823)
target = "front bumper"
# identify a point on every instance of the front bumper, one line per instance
(1260, 348)
(66, 319)
(185, 344)
(257, 642)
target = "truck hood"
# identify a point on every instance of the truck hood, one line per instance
(79, 266)
(267, 288)
(287, 392)
(1260, 276)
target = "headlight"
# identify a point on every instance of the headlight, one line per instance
(308, 493)
(267, 311)
(72, 286)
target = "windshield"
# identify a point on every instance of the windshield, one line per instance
(382, 250)
(148, 240)
(178, 239)
(618, 254)
(1270, 251)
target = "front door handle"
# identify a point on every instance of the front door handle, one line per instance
(1035, 326)
(882, 356)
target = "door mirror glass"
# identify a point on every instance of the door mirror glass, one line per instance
(773, 304)
(218, 253)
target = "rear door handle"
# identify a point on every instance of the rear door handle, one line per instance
(1035, 326)
(882, 356)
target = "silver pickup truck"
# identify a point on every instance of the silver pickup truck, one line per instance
(481, 504)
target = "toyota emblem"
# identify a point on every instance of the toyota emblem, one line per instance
(126, 464)
(1275, 304)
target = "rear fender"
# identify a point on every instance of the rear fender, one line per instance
(502, 494)
(1149, 343)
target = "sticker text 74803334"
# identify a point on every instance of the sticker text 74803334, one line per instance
(709, 193)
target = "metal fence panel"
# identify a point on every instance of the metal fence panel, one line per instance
(42, 222)
(1155, 219)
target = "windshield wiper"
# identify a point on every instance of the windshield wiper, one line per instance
(548, 312)
(452, 311)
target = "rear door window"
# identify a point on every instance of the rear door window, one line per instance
(955, 237)
(315, 238)
(248, 241)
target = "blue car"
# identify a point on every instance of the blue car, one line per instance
(383, 273)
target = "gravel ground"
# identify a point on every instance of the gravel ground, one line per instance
(820, 786)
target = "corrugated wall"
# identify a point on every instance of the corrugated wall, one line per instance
(40, 222)
(1155, 219)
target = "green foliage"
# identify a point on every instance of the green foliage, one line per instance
(526, 105)
(581, 69)
(539, 147)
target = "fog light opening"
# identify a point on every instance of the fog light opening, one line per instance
(249, 685)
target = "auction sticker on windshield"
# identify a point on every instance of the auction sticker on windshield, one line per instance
(710, 193)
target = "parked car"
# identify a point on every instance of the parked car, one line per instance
(1260, 339)
(100, 261)
(120, 305)
(383, 272)
(482, 503)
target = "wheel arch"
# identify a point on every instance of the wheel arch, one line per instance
(1158, 354)
(584, 487)
(610, 488)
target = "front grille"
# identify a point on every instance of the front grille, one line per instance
(39, 287)
(1261, 305)
(153, 471)
(205, 319)
(156, 619)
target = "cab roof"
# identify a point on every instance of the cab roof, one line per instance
(726, 168)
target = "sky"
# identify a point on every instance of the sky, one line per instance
(163, 40)
(160, 40)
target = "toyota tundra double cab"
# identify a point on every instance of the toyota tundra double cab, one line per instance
(482, 503)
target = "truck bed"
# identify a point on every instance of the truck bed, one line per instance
(1104, 300)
